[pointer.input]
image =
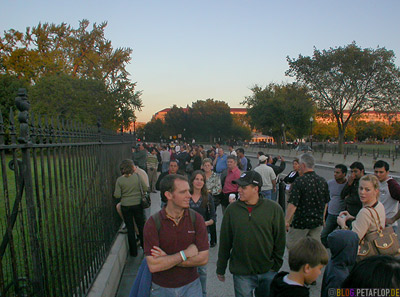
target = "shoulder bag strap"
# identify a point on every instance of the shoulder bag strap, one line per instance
(378, 226)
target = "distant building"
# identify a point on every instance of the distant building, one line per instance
(322, 117)
(368, 116)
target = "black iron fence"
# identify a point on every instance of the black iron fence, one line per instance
(57, 215)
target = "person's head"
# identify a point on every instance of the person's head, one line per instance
(340, 172)
(231, 162)
(307, 162)
(127, 167)
(381, 272)
(240, 152)
(198, 183)
(141, 146)
(207, 165)
(230, 148)
(368, 189)
(260, 154)
(296, 164)
(175, 189)
(307, 257)
(173, 167)
(153, 151)
(381, 170)
(250, 183)
(357, 170)
(220, 152)
(263, 159)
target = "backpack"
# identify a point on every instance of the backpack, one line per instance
(157, 219)
(249, 166)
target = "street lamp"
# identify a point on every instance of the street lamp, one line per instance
(311, 121)
(283, 135)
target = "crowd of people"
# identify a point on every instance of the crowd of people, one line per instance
(255, 230)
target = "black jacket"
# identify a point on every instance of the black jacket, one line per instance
(281, 289)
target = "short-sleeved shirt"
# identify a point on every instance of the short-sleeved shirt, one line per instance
(309, 194)
(172, 239)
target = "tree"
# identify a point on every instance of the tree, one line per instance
(211, 119)
(269, 108)
(84, 100)
(155, 131)
(239, 130)
(9, 85)
(349, 79)
(177, 122)
(49, 49)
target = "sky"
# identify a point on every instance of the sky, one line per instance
(184, 51)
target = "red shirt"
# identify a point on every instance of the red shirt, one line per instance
(231, 176)
(172, 239)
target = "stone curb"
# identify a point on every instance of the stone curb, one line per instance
(107, 281)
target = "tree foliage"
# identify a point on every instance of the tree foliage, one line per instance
(205, 120)
(50, 49)
(211, 119)
(84, 100)
(269, 108)
(9, 86)
(349, 79)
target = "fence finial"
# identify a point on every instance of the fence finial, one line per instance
(22, 103)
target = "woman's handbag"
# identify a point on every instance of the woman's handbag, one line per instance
(145, 201)
(384, 241)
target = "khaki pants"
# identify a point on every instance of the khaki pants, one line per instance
(294, 235)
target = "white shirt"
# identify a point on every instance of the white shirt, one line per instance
(267, 174)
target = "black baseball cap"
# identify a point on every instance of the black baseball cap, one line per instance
(249, 178)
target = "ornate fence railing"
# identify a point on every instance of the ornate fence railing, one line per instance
(57, 215)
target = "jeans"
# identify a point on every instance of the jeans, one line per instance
(267, 194)
(165, 166)
(129, 213)
(189, 290)
(202, 270)
(259, 283)
(330, 226)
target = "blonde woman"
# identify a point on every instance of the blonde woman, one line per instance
(364, 223)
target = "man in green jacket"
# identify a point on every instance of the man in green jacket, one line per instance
(252, 239)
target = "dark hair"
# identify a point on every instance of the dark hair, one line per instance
(357, 165)
(175, 161)
(342, 167)
(126, 166)
(380, 164)
(307, 251)
(233, 157)
(260, 154)
(240, 150)
(374, 272)
(167, 184)
(204, 190)
(296, 160)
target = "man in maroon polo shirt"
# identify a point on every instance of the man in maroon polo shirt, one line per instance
(228, 175)
(175, 250)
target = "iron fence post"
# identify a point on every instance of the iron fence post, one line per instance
(23, 105)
